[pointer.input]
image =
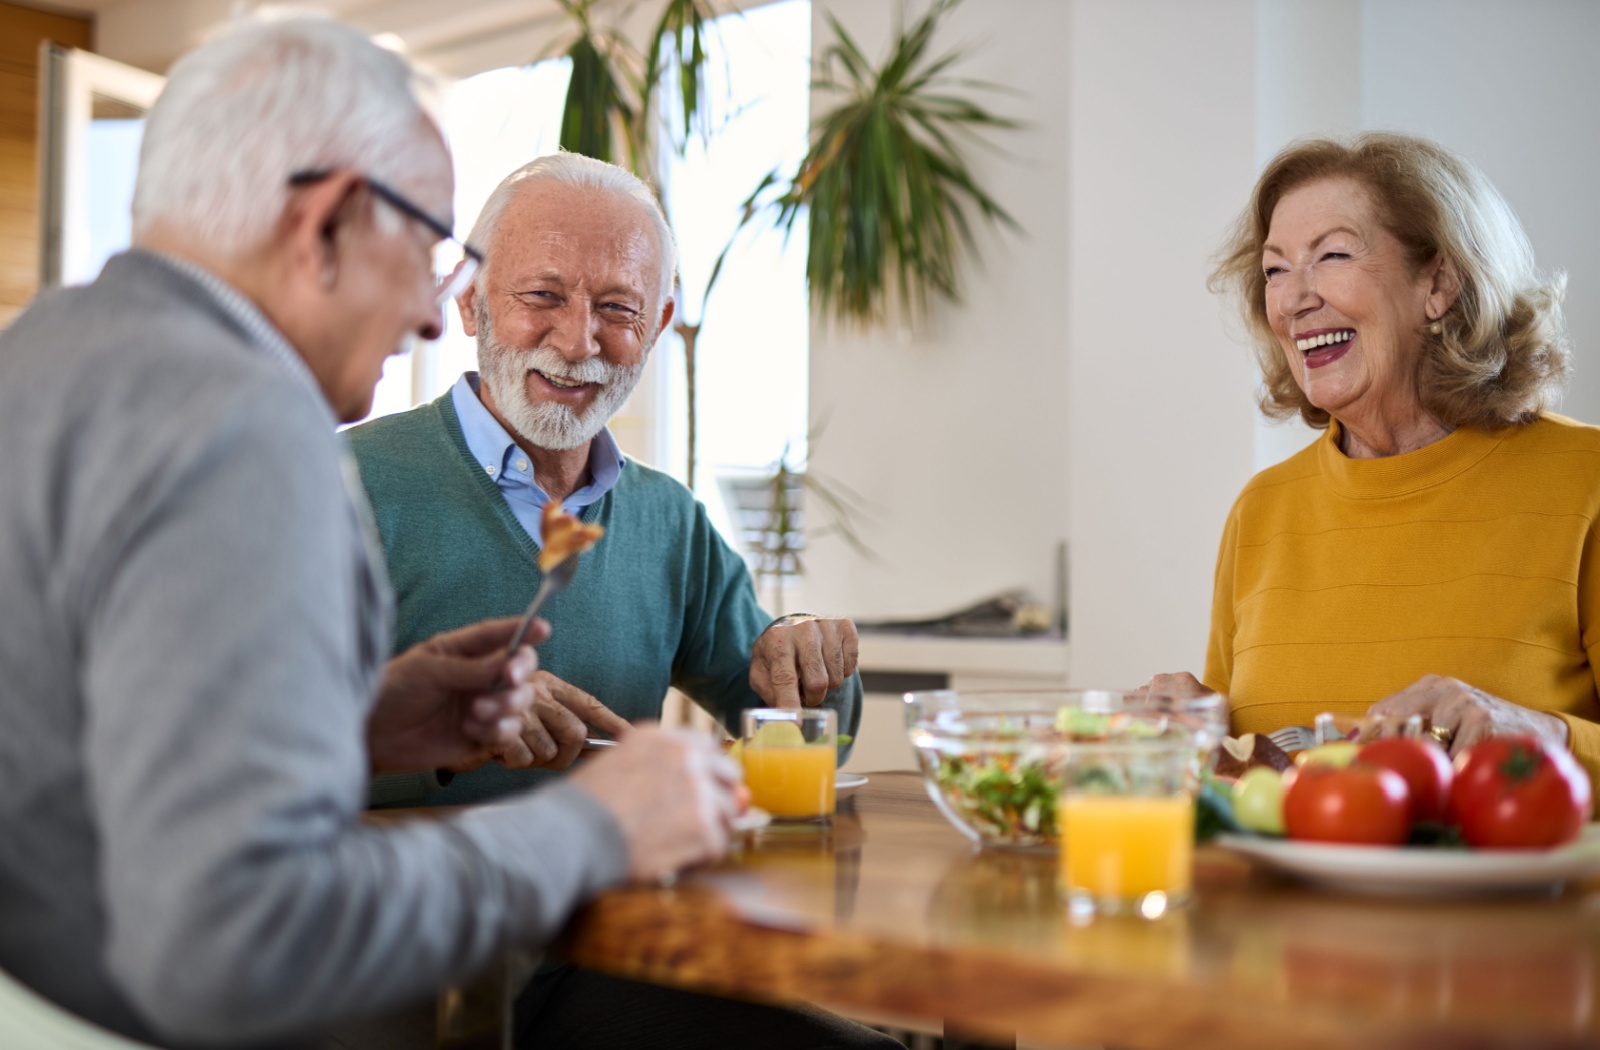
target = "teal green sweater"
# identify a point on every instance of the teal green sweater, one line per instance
(660, 601)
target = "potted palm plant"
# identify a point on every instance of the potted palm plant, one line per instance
(886, 186)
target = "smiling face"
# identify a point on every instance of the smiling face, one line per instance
(571, 303)
(1347, 306)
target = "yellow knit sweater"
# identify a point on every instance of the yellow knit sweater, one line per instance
(1341, 581)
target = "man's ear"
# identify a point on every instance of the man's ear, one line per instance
(668, 308)
(467, 306)
(311, 221)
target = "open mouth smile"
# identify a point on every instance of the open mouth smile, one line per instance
(1325, 346)
(558, 382)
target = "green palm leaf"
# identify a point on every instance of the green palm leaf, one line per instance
(594, 102)
(885, 184)
(677, 65)
(611, 107)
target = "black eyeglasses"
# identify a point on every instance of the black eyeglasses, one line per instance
(454, 274)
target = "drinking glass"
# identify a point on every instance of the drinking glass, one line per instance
(790, 758)
(1127, 820)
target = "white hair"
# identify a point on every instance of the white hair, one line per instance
(574, 169)
(265, 99)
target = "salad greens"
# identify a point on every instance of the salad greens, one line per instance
(1006, 800)
(1213, 810)
(1008, 794)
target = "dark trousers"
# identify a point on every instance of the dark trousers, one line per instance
(573, 1008)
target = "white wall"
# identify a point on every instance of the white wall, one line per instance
(1086, 390)
(1160, 420)
(958, 431)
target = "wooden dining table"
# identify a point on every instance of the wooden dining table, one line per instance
(889, 913)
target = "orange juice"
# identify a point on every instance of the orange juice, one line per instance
(1125, 846)
(791, 781)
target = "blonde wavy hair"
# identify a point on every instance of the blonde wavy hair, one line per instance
(1501, 354)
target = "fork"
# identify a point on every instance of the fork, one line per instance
(1299, 738)
(555, 581)
(1293, 738)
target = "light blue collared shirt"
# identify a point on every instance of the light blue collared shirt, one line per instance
(511, 469)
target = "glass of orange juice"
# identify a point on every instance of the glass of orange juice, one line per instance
(1127, 819)
(789, 758)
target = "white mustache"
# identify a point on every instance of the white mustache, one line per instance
(549, 362)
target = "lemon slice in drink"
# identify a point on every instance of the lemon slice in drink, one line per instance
(778, 734)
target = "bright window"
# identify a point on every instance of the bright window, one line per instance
(752, 368)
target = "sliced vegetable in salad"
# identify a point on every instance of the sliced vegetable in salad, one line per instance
(1003, 778)
(1006, 800)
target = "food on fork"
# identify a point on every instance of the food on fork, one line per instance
(564, 536)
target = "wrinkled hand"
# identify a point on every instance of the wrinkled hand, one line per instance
(1469, 714)
(673, 793)
(1181, 685)
(556, 724)
(438, 706)
(799, 658)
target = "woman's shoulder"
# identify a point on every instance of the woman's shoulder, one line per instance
(1285, 476)
(1553, 433)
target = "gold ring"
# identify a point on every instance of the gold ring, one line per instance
(1443, 734)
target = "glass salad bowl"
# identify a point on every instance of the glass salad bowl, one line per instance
(994, 762)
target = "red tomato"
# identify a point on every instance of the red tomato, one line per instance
(1366, 805)
(1425, 767)
(1512, 792)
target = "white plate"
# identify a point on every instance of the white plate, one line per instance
(845, 784)
(754, 819)
(1420, 871)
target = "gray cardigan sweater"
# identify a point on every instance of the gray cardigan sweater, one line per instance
(193, 627)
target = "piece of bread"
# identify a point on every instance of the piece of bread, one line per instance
(564, 536)
(1237, 754)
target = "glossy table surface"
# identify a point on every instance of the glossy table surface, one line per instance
(891, 913)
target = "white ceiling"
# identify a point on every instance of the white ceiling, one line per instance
(456, 37)
(453, 37)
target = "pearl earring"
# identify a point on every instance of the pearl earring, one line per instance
(1436, 328)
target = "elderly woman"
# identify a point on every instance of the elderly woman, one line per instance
(1435, 551)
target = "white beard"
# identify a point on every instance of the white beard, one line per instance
(547, 424)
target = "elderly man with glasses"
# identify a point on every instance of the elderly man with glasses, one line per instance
(193, 679)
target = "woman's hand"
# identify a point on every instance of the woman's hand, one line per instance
(1181, 685)
(1463, 715)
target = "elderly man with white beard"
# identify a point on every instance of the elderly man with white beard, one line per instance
(575, 288)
